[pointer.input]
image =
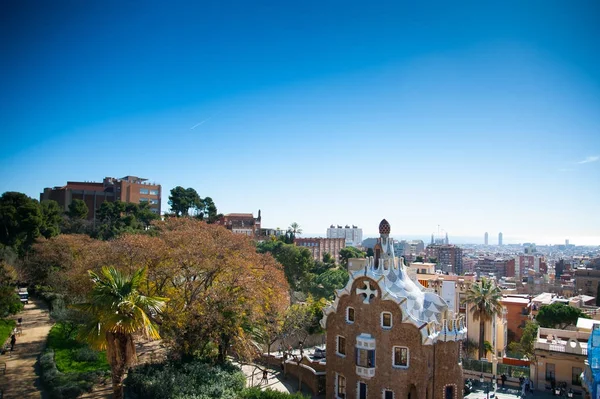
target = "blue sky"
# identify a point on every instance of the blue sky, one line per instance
(475, 117)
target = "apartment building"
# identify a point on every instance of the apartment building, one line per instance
(353, 235)
(319, 246)
(131, 189)
(448, 257)
(586, 281)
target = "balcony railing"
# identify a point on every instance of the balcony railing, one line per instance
(365, 372)
(563, 348)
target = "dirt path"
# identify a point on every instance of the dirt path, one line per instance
(20, 380)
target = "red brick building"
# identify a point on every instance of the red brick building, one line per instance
(127, 189)
(320, 246)
(389, 338)
(242, 223)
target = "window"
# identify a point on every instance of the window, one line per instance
(387, 394)
(341, 345)
(449, 392)
(365, 357)
(350, 315)
(362, 390)
(341, 386)
(400, 356)
(576, 377)
(143, 199)
(153, 192)
(144, 191)
(154, 201)
(550, 371)
(386, 320)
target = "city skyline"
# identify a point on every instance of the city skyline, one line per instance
(474, 117)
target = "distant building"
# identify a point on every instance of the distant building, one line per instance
(500, 239)
(353, 235)
(566, 242)
(586, 281)
(498, 267)
(319, 246)
(447, 257)
(126, 189)
(485, 238)
(518, 313)
(409, 249)
(242, 223)
(529, 262)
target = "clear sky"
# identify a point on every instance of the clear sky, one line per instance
(471, 116)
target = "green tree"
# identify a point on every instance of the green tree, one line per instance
(182, 200)
(370, 252)
(21, 221)
(117, 311)
(10, 303)
(559, 315)
(51, 218)
(350, 252)
(419, 259)
(485, 299)
(78, 209)
(116, 218)
(297, 262)
(525, 347)
(325, 284)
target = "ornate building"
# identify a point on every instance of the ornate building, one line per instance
(389, 337)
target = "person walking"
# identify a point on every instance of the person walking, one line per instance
(503, 378)
(265, 377)
(13, 341)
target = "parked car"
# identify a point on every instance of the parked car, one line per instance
(24, 295)
(468, 386)
(319, 352)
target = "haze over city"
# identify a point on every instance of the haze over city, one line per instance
(472, 117)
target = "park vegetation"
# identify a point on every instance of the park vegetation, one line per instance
(208, 293)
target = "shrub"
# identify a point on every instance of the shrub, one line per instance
(85, 354)
(256, 393)
(181, 380)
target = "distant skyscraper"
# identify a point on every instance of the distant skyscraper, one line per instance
(567, 242)
(500, 238)
(432, 241)
(446, 240)
(485, 238)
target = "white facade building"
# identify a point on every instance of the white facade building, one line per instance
(353, 235)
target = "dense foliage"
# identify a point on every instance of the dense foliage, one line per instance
(559, 315)
(23, 219)
(185, 380)
(61, 385)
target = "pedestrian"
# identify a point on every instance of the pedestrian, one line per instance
(13, 341)
(265, 377)
(503, 378)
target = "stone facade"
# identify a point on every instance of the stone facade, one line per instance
(389, 337)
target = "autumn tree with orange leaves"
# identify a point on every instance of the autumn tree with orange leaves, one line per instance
(221, 291)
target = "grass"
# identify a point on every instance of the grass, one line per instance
(70, 355)
(6, 328)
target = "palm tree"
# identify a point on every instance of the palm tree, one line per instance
(485, 300)
(295, 229)
(117, 310)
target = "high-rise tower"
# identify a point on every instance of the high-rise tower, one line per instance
(500, 239)
(485, 238)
